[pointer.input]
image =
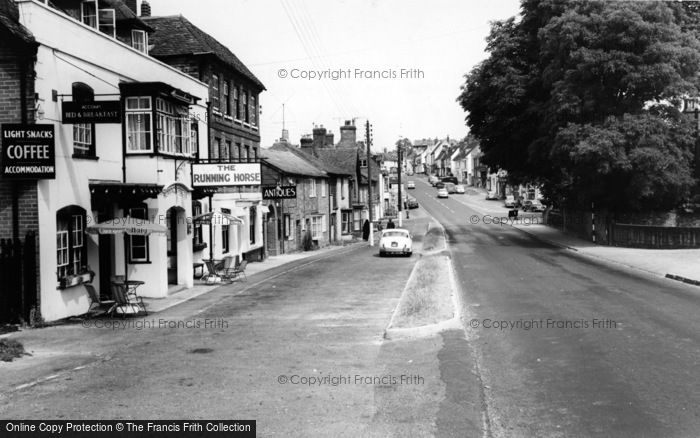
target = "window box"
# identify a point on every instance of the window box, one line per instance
(74, 280)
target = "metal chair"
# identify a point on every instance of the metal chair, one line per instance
(125, 301)
(238, 271)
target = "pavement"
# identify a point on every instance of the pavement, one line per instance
(676, 264)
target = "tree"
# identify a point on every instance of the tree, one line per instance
(561, 93)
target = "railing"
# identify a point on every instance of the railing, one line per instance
(18, 279)
(644, 236)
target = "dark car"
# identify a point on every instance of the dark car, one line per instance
(412, 203)
(439, 185)
(449, 179)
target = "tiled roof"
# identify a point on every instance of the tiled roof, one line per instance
(175, 35)
(9, 23)
(343, 161)
(288, 162)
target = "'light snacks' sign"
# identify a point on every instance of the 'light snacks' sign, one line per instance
(28, 152)
(226, 174)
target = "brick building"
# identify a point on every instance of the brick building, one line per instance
(233, 120)
(18, 198)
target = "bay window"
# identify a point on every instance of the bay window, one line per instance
(173, 128)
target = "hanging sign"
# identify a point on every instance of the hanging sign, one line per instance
(28, 151)
(226, 174)
(103, 111)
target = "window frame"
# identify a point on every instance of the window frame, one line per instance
(143, 40)
(173, 128)
(84, 148)
(252, 217)
(71, 244)
(113, 25)
(317, 225)
(227, 98)
(85, 19)
(146, 112)
(312, 187)
(133, 213)
(215, 99)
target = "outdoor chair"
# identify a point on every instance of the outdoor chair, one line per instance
(238, 271)
(95, 298)
(125, 301)
(226, 268)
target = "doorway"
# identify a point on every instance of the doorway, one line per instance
(172, 245)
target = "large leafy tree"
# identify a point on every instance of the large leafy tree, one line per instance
(583, 95)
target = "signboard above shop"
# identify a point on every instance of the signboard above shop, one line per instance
(103, 111)
(226, 174)
(28, 151)
(279, 192)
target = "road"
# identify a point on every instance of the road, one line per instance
(566, 346)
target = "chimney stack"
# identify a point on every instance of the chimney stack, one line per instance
(285, 134)
(348, 135)
(319, 135)
(329, 140)
(306, 144)
(145, 9)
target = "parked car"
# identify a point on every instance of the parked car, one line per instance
(432, 179)
(511, 202)
(442, 193)
(533, 206)
(450, 187)
(450, 179)
(396, 241)
(412, 203)
(411, 185)
(491, 195)
(459, 188)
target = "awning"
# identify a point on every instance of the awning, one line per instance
(110, 192)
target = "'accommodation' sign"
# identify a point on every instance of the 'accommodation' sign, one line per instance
(103, 111)
(226, 174)
(279, 192)
(28, 151)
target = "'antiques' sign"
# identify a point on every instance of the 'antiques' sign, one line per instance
(28, 151)
(279, 192)
(103, 111)
(226, 174)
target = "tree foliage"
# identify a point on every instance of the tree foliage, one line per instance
(583, 96)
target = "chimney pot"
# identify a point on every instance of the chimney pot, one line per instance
(145, 9)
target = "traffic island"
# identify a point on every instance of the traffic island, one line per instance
(428, 304)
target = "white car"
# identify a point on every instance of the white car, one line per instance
(442, 193)
(411, 185)
(395, 241)
(459, 188)
(510, 201)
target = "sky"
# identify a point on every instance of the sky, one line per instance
(397, 63)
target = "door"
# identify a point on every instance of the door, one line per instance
(106, 254)
(172, 246)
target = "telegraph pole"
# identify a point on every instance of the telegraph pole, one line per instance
(399, 147)
(368, 138)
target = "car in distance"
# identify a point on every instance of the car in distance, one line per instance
(411, 185)
(449, 179)
(510, 201)
(412, 203)
(439, 185)
(491, 196)
(450, 187)
(533, 206)
(459, 188)
(432, 179)
(442, 193)
(396, 241)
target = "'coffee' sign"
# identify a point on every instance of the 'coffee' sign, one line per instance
(226, 174)
(279, 192)
(103, 111)
(28, 152)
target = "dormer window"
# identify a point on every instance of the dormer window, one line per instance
(139, 40)
(102, 19)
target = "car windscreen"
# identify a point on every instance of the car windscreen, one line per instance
(394, 234)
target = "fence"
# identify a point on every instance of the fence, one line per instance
(645, 236)
(18, 281)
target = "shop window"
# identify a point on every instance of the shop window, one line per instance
(252, 219)
(139, 40)
(139, 125)
(173, 128)
(225, 233)
(71, 251)
(138, 245)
